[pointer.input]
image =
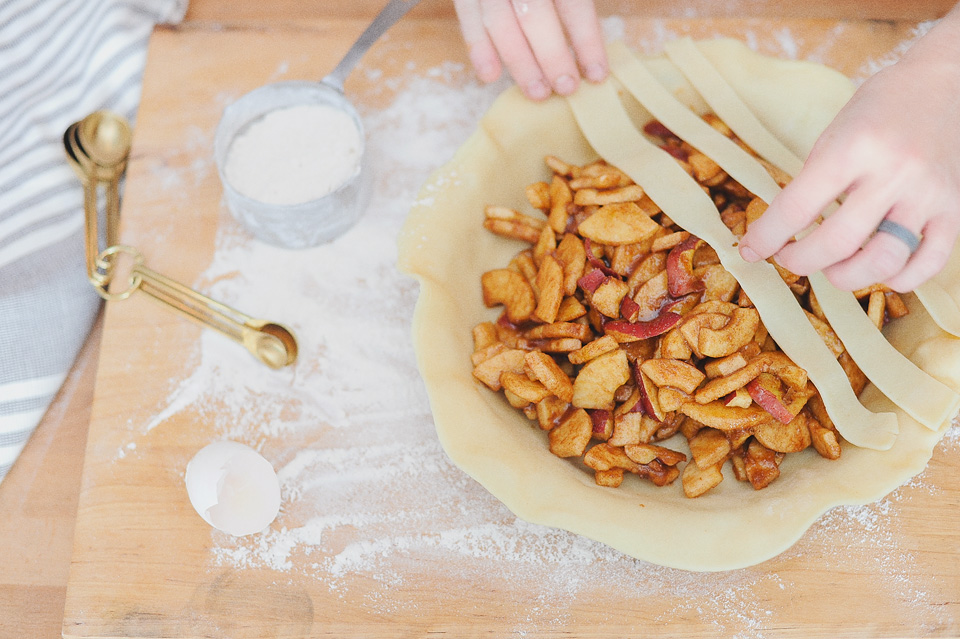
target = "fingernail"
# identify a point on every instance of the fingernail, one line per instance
(748, 254)
(596, 73)
(538, 90)
(566, 84)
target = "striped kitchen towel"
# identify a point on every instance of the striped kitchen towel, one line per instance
(59, 61)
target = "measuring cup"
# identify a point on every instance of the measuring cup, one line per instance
(325, 218)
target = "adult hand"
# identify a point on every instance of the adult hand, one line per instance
(894, 152)
(533, 39)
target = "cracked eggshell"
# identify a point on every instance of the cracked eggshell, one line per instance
(233, 488)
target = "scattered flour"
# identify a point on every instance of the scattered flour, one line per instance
(368, 491)
(870, 67)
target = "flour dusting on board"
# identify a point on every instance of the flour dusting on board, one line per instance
(870, 67)
(367, 489)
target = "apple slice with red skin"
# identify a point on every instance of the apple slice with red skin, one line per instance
(683, 304)
(680, 277)
(648, 394)
(643, 330)
(676, 151)
(658, 129)
(602, 423)
(740, 397)
(595, 261)
(633, 404)
(766, 392)
(592, 280)
(629, 309)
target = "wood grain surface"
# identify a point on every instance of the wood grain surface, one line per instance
(38, 498)
(282, 10)
(142, 562)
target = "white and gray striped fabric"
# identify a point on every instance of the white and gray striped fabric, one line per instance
(59, 61)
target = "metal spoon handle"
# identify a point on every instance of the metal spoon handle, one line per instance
(113, 208)
(389, 15)
(271, 343)
(198, 307)
(91, 228)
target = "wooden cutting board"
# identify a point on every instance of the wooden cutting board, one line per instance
(145, 565)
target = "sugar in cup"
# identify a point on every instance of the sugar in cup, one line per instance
(291, 159)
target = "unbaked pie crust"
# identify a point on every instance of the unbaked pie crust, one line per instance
(445, 247)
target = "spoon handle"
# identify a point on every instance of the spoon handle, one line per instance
(389, 15)
(271, 343)
(91, 228)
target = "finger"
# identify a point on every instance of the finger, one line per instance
(501, 23)
(543, 30)
(483, 55)
(882, 257)
(796, 207)
(939, 236)
(579, 17)
(842, 234)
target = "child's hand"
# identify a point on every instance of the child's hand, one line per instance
(530, 37)
(894, 152)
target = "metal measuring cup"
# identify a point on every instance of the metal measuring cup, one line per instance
(322, 219)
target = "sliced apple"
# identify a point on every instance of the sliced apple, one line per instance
(765, 389)
(698, 480)
(618, 223)
(709, 447)
(629, 309)
(544, 368)
(602, 423)
(645, 453)
(624, 331)
(570, 438)
(503, 286)
(760, 465)
(551, 411)
(673, 372)
(490, 370)
(572, 255)
(605, 456)
(732, 336)
(726, 418)
(592, 280)
(608, 297)
(652, 296)
(785, 438)
(681, 279)
(739, 397)
(648, 395)
(598, 380)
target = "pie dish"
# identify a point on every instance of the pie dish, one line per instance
(445, 247)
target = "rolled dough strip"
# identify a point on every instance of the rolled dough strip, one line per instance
(607, 127)
(923, 397)
(941, 306)
(730, 108)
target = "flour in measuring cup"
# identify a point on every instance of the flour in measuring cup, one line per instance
(294, 154)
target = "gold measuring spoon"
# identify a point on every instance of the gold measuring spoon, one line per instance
(100, 155)
(271, 343)
(88, 176)
(104, 138)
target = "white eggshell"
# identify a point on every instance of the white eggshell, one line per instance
(233, 488)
